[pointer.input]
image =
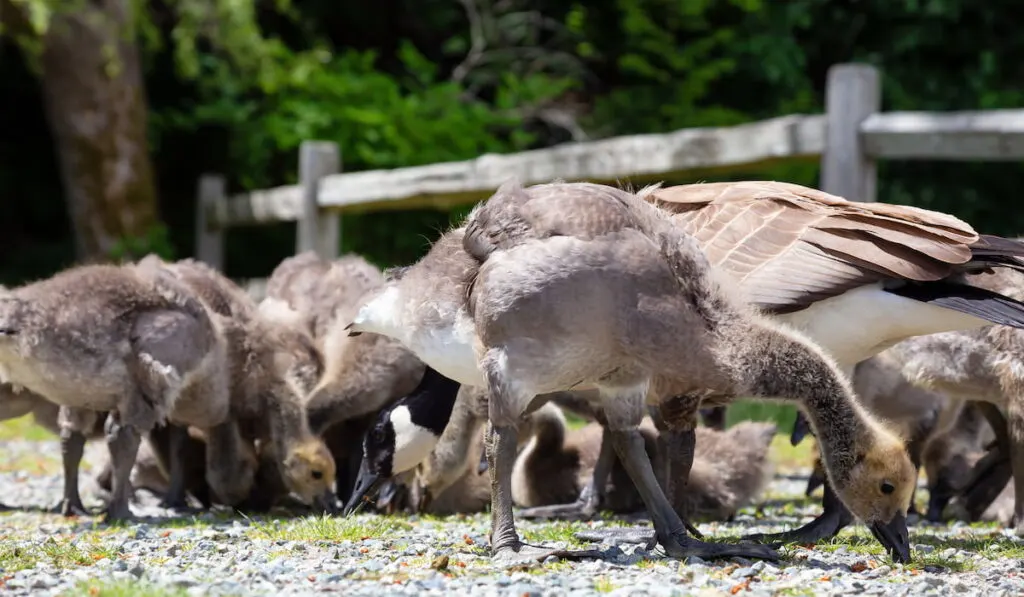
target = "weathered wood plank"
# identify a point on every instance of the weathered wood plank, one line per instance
(852, 94)
(635, 157)
(317, 230)
(606, 160)
(209, 242)
(993, 135)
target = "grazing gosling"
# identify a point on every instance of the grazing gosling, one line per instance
(106, 338)
(269, 367)
(361, 374)
(553, 260)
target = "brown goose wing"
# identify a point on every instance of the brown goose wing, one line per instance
(790, 246)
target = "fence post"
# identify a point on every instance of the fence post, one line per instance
(317, 231)
(210, 196)
(852, 93)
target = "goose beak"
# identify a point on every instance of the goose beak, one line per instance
(326, 502)
(894, 536)
(800, 429)
(367, 484)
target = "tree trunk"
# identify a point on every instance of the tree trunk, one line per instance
(96, 107)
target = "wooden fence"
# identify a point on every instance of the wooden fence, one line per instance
(849, 138)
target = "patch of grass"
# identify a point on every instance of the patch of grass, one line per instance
(990, 545)
(328, 528)
(951, 564)
(63, 553)
(132, 588)
(856, 541)
(28, 462)
(556, 531)
(602, 584)
(25, 428)
(794, 592)
(787, 457)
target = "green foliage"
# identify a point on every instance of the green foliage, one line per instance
(236, 85)
(132, 248)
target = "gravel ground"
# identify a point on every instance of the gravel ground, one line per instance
(216, 553)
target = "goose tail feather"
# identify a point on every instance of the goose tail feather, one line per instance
(972, 300)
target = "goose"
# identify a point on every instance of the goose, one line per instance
(106, 338)
(266, 371)
(362, 375)
(854, 277)
(505, 321)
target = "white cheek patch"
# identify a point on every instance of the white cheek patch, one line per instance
(413, 443)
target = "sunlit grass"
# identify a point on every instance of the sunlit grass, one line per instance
(24, 428)
(59, 553)
(125, 588)
(789, 458)
(328, 528)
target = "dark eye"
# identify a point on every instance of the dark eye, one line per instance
(320, 475)
(888, 487)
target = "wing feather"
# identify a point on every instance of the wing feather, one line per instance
(790, 246)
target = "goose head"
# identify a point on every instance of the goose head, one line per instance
(877, 487)
(404, 434)
(380, 313)
(308, 470)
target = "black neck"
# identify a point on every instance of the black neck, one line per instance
(430, 404)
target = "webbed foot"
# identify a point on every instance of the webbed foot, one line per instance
(821, 528)
(523, 552)
(583, 508)
(69, 508)
(682, 546)
(116, 512)
(616, 536)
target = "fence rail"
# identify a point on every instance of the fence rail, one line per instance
(848, 139)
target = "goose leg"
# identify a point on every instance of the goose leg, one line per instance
(505, 542)
(592, 494)
(177, 438)
(123, 443)
(669, 528)
(993, 471)
(1015, 423)
(72, 446)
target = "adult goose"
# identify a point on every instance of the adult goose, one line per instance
(581, 286)
(854, 277)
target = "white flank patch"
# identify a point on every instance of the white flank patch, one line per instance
(862, 322)
(412, 442)
(449, 350)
